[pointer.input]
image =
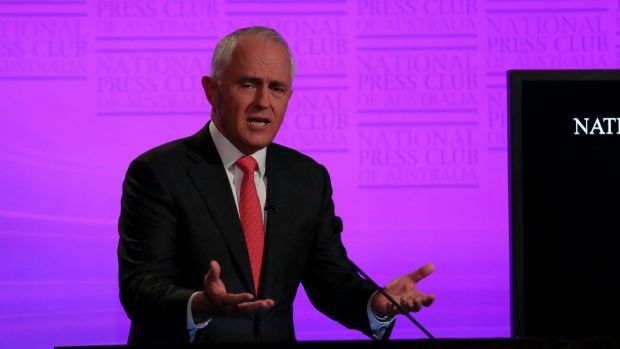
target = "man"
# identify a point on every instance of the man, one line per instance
(199, 258)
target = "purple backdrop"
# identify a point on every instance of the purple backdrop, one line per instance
(403, 101)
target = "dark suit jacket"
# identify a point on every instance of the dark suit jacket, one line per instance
(178, 213)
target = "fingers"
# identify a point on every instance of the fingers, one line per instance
(254, 307)
(233, 299)
(416, 302)
(249, 307)
(411, 303)
(233, 304)
(422, 272)
(428, 300)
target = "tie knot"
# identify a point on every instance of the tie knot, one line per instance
(247, 164)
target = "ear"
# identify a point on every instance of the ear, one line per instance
(211, 91)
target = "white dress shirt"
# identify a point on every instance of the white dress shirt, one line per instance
(229, 155)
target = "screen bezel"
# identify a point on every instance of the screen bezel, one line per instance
(516, 80)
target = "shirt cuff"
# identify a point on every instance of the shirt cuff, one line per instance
(378, 325)
(191, 326)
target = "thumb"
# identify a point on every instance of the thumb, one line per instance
(214, 272)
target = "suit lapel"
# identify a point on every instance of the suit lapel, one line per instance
(209, 176)
(276, 221)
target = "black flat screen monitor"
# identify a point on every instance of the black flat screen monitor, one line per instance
(565, 202)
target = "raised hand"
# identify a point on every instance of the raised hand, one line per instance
(214, 300)
(404, 290)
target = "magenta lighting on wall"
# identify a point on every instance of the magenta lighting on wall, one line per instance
(403, 101)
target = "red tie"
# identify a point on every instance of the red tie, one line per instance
(251, 217)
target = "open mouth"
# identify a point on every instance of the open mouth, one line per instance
(258, 121)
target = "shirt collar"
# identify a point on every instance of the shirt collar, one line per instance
(230, 154)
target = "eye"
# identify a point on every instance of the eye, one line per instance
(278, 89)
(247, 85)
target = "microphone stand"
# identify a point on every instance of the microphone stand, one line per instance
(401, 309)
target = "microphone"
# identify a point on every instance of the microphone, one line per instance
(403, 311)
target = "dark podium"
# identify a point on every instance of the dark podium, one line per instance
(470, 343)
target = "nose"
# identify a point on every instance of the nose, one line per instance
(261, 98)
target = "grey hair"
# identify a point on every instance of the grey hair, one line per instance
(226, 46)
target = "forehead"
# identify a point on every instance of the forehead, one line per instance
(259, 57)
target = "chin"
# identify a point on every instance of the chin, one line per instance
(253, 147)
(260, 142)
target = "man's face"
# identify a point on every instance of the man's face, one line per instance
(250, 100)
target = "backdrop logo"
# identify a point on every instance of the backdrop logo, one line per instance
(596, 126)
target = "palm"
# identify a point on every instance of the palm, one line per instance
(215, 299)
(214, 287)
(404, 291)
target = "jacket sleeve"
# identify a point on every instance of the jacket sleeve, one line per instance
(330, 281)
(147, 256)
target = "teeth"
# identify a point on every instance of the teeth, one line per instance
(258, 123)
